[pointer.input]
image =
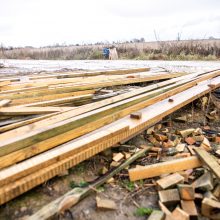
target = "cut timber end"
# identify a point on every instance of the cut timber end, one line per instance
(164, 168)
(190, 208)
(208, 207)
(169, 196)
(204, 182)
(179, 214)
(156, 215)
(187, 192)
(136, 115)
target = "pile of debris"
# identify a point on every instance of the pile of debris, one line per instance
(184, 184)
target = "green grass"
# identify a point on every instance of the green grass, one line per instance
(142, 211)
(128, 185)
(81, 184)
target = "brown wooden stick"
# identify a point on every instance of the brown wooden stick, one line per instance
(72, 197)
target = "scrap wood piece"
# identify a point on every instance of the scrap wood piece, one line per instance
(179, 214)
(186, 132)
(77, 194)
(4, 102)
(169, 196)
(211, 208)
(164, 168)
(170, 180)
(105, 203)
(136, 115)
(156, 215)
(190, 208)
(204, 182)
(187, 192)
(209, 160)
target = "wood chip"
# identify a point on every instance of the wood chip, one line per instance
(118, 157)
(105, 203)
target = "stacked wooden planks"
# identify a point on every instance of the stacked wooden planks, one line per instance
(39, 148)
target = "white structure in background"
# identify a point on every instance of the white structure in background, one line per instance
(113, 54)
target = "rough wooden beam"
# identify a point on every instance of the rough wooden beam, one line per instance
(164, 168)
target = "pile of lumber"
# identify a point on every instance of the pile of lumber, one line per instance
(42, 135)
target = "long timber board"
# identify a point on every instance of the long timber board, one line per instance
(150, 115)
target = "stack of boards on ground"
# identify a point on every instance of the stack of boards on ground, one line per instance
(49, 123)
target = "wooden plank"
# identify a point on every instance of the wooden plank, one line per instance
(209, 160)
(149, 120)
(4, 83)
(89, 107)
(22, 101)
(25, 122)
(72, 74)
(20, 186)
(89, 86)
(15, 91)
(201, 89)
(84, 118)
(58, 101)
(32, 110)
(164, 168)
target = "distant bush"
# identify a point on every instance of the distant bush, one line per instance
(168, 50)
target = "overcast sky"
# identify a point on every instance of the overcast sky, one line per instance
(46, 22)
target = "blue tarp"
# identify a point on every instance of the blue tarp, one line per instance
(105, 52)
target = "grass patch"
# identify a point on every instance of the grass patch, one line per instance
(81, 184)
(142, 211)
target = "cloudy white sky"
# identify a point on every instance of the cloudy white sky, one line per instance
(46, 22)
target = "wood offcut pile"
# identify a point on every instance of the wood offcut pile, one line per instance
(189, 174)
(51, 122)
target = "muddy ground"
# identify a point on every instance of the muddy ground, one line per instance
(128, 196)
